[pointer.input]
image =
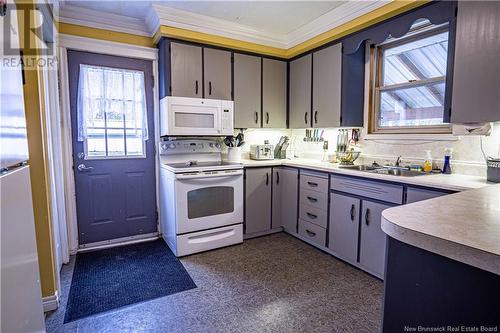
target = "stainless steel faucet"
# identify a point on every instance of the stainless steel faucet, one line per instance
(398, 160)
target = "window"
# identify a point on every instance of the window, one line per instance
(112, 120)
(409, 82)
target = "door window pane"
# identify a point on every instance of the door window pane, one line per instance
(112, 119)
(210, 201)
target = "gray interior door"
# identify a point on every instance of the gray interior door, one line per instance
(300, 92)
(258, 200)
(274, 93)
(288, 181)
(114, 172)
(217, 67)
(247, 96)
(186, 70)
(344, 224)
(327, 78)
(372, 248)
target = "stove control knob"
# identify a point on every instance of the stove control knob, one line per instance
(211, 145)
(171, 146)
(217, 145)
(164, 146)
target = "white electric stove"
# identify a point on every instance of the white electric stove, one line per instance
(201, 197)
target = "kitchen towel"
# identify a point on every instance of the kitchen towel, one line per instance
(111, 278)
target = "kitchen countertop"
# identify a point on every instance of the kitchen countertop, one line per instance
(462, 226)
(453, 182)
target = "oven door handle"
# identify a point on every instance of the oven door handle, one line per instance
(204, 176)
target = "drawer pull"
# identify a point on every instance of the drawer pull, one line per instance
(367, 216)
(312, 216)
(310, 233)
(352, 212)
(312, 199)
(312, 184)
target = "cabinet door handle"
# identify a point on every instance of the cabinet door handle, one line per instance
(256, 117)
(267, 178)
(311, 233)
(312, 216)
(277, 177)
(312, 199)
(267, 117)
(312, 184)
(316, 117)
(196, 87)
(305, 117)
(367, 216)
(210, 87)
(353, 212)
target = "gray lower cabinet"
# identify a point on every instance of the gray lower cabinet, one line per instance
(186, 70)
(344, 226)
(274, 78)
(373, 239)
(217, 70)
(300, 92)
(285, 196)
(247, 91)
(476, 71)
(327, 86)
(258, 184)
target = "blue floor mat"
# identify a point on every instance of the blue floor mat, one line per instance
(111, 278)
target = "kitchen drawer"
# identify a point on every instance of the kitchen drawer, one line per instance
(314, 199)
(367, 188)
(313, 183)
(414, 194)
(312, 232)
(313, 215)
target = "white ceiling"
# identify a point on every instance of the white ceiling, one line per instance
(275, 17)
(281, 24)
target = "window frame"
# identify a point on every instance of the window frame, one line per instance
(376, 82)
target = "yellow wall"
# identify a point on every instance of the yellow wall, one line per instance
(35, 122)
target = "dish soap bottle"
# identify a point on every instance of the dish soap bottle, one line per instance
(447, 161)
(428, 162)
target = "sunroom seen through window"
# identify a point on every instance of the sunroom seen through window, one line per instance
(410, 82)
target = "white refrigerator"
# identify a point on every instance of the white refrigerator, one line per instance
(21, 298)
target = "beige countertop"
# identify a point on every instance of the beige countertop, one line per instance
(453, 182)
(462, 226)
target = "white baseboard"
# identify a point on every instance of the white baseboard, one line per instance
(50, 303)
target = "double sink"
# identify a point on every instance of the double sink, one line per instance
(386, 170)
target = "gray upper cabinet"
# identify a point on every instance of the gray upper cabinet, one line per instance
(372, 243)
(300, 92)
(186, 70)
(327, 79)
(476, 75)
(247, 91)
(285, 195)
(217, 67)
(274, 93)
(258, 200)
(344, 226)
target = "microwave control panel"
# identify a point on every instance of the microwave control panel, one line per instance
(227, 118)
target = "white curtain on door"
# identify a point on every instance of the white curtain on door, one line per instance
(111, 97)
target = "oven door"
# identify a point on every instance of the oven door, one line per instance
(208, 200)
(193, 116)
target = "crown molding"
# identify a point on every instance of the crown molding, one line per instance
(332, 19)
(177, 18)
(102, 20)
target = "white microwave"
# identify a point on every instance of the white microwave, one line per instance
(195, 117)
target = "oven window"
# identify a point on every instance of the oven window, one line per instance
(209, 201)
(197, 120)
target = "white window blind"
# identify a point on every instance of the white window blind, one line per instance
(111, 111)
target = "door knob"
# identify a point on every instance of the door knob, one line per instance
(83, 167)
